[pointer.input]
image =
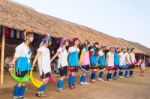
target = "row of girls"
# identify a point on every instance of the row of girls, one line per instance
(86, 58)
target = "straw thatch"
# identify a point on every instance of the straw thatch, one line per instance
(142, 48)
(17, 16)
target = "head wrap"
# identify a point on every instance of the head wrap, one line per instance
(75, 39)
(128, 49)
(26, 32)
(111, 47)
(64, 39)
(63, 42)
(45, 40)
(132, 49)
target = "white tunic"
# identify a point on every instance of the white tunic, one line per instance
(44, 60)
(22, 51)
(127, 58)
(110, 59)
(122, 59)
(72, 49)
(100, 53)
(62, 58)
(132, 58)
(143, 66)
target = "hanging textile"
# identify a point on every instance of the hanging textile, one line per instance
(12, 33)
(18, 34)
(7, 32)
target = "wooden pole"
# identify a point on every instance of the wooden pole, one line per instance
(2, 56)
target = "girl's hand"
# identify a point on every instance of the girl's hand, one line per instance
(32, 68)
(11, 69)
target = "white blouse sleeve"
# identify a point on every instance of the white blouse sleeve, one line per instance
(59, 50)
(17, 52)
(40, 49)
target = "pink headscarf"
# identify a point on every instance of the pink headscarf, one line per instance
(75, 39)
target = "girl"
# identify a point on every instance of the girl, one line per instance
(43, 57)
(101, 62)
(122, 62)
(84, 62)
(116, 62)
(94, 60)
(22, 63)
(73, 58)
(142, 66)
(62, 55)
(133, 62)
(110, 63)
(127, 62)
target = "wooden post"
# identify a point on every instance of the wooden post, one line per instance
(2, 56)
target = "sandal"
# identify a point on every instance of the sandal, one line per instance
(43, 94)
(38, 94)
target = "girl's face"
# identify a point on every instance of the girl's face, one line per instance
(124, 50)
(87, 44)
(133, 51)
(112, 49)
(67, 43)
(77, 42)
(97, 45)
(49, 43)
(118, 49)
(30, 38)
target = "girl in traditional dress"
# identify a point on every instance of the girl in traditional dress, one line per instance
(122, 63)
(142, 67)
(133, 62)
(101, 62)
(127, 62)
(73, 60)
(94, 60)
(43, 58)
(116, 62)
(62, 55)
(84, 62)
(110, 63)
(22, 63)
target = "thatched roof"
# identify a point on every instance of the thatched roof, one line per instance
(142, 48)
(17, 16)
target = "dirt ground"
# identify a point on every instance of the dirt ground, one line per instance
(128, 88)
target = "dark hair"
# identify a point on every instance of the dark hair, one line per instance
(122, 49)
(85, 45)
(111, 48)
(72, 43)
(27, 34)
(117, 48)
(132, 49)
(96, 43)
(102, 47)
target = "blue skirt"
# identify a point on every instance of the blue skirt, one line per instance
(93, 60)
(23, 64)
